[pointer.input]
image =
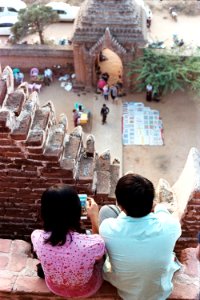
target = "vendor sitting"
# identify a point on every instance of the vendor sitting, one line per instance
(80, 108)
(83, 114)
(19, 77)
(48, 76)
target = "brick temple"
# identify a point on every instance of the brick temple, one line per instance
(118, 25)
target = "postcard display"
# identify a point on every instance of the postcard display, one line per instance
(141, 125)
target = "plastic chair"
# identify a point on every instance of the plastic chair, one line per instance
(34, 72)
(31, 87)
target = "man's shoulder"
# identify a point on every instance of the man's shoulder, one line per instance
(109, 225)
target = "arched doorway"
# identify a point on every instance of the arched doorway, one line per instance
(109, 62)
(109, 67)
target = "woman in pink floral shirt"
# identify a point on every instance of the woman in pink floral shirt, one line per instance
(71, 260)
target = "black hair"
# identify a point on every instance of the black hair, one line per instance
(135, 195)
(60, 212)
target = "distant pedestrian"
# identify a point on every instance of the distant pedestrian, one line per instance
(105, 76)
(149, 91)
(106, 92)
(113, 92)
(104, 112)
(148, 22)
(75, 117)
(19, 77)
(48, 76)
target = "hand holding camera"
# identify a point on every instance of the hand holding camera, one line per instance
(92, 208)
(89, 207)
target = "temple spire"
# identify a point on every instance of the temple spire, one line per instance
(124, 18)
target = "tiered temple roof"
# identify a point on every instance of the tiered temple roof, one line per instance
(125, 19)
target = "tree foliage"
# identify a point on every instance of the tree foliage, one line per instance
(33, 20)
(167, 72)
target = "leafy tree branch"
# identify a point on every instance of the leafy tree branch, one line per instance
(33, 20)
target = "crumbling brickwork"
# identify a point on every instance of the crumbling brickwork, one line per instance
(187, 190)
(190, 223)
(36, 152)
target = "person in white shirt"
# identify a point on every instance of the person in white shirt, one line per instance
(48, 76)
(149, 91)
(139, 241)
(106, 91)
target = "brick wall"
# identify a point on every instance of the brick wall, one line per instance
(40, 56)
(190, 223)
(187, 192)
(35, 152)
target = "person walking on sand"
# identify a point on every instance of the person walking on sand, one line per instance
(149, 22)
(113, 92)
(104, 112)
(106, 92)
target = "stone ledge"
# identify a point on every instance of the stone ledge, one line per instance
(19, 281)
(18, 278)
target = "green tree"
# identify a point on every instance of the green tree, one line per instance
(33, 20)
(166, 71)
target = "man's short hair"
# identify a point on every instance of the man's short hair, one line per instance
(135, 195)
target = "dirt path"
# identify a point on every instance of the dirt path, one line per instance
(180, 114)
(163, 28)
(107, 136)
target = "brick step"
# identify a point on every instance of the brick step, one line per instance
(18, 278)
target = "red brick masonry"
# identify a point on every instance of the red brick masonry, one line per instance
(18, 279)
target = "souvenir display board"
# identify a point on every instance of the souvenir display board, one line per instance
(141, 125)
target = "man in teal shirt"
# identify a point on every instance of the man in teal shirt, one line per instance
(140, 243)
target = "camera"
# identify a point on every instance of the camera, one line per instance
(83, 200)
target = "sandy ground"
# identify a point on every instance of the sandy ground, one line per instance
(163, 28)
(107, 136)
(180, 114)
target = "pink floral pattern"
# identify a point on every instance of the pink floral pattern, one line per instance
(74, 269)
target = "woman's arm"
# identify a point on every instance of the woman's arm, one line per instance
(93, 214)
